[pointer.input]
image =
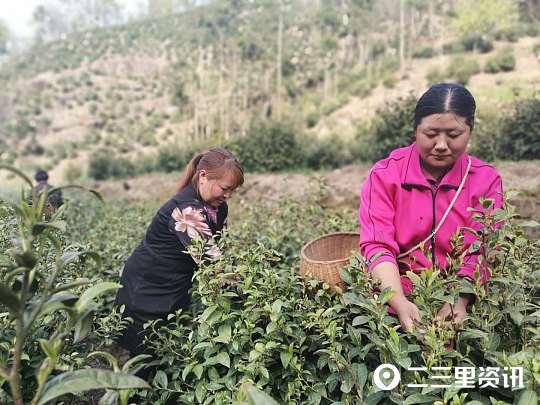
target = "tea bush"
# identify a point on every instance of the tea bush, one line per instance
(254, 320)
(520, 131)
(268, 147)
(503, 61)
(477, 43)
(462, 69)
(104, 165)
(392, 128)
(49, 302)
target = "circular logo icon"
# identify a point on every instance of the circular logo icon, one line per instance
(386, 377)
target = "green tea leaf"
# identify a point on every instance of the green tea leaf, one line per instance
(9, 299)
(88, 379)
(257, 397)
(224, 359)
(94, 292)
(285, 359)
(160, 379)
(420, 399)
(528, 397)
(224, 334)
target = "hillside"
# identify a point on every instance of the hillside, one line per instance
(208, 73)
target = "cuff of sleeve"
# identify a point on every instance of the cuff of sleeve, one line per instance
(468, 272)
(380, 257)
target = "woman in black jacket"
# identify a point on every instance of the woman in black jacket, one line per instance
(158, 274)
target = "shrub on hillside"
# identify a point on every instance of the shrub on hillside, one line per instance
(477, 43)
(536, 51)
(268, 147)
(462, 69)
(485, 142)
(326, 153)
(392, 128)
(105, 165)
(425, 52)
(503, 61)
(172, 158)
(452, 48)
(521, 131)
(312, 118)
(435, 75)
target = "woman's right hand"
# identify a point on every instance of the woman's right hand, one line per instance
(407, 312)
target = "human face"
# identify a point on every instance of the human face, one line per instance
(214, 192)
(441, 139)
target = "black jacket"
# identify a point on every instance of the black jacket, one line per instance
(158, 274)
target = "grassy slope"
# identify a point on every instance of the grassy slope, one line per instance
(125, 76)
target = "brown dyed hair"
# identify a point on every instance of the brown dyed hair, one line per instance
(217, 162)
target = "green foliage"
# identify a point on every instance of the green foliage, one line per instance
(453, 48)
(36, 293)
(390, 81)
(267, 147)
(520, 131)
(461, 69)
(312, 118)
(435, 75)
(256, 328)
(392, 128)
(104, 165)
(486, 141)
(485, 17)
(72, 173)
(536, 51)
(255, 320)
(475, 42)
(326, 153)
(426, 52)
(503, 61)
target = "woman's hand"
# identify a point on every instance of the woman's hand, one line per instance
(407, 312)
(459, 310)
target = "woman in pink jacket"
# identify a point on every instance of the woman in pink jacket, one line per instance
(420, 193)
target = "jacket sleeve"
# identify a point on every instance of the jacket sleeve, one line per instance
(376, 215)
(470, 262)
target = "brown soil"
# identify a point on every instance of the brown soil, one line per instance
(343, 184)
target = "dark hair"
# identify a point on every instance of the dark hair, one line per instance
(446, 98)
(216, 162)
(41, 175)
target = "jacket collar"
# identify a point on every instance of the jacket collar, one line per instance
(415, 177)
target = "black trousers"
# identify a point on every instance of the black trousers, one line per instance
(132, 339)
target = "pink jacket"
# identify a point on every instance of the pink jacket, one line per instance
(399, 208)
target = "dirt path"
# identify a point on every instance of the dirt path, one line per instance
(343, 183)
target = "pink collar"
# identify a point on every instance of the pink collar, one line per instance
(414, 176)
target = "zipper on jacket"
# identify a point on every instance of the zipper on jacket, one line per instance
(433, 195)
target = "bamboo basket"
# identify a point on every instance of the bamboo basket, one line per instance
(324, 256)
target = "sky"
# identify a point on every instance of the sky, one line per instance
(18, 14)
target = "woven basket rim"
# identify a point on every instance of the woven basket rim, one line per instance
(303, 251)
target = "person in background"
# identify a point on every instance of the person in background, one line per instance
(419, 195)
(55, 199)
(158, 275)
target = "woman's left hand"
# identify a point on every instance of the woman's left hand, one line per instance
(459, 310)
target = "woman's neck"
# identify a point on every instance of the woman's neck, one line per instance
(433, 172)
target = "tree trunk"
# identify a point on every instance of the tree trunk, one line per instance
(279, 62)
(430, 19)
(401, 35)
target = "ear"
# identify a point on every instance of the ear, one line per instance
(203, 175)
